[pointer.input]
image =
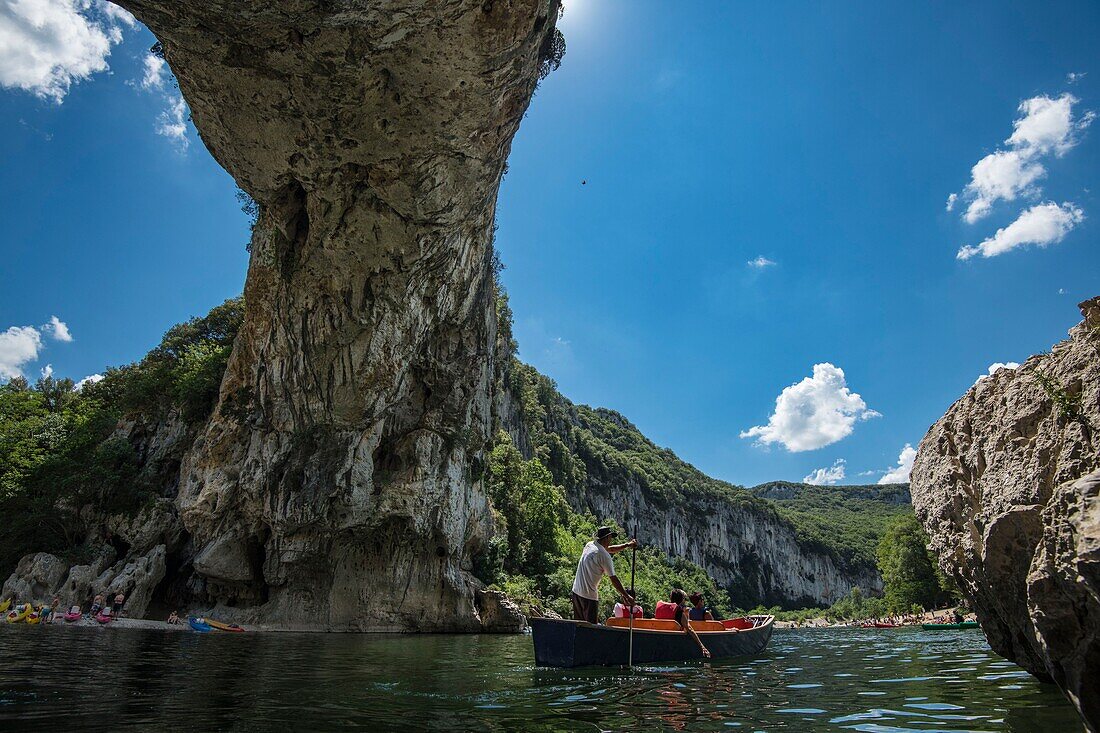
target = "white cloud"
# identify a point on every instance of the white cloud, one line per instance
(996, 367)
(899, 474)
(760, 262)
(153, 77)
(90, 379)
(117, 14)
(58, 329)
(814, 413)
(172, 122)
(19, 345)
(1046, 126)
(826, 476)
(1003, 175)
(48, 45)
(1073, 77)
(1041, 225)
(47, 371)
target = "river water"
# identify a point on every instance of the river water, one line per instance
(884, 681)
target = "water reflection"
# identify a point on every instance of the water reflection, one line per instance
(863, 680)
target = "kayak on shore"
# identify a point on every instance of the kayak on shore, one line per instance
(565, 643)
(199, 624)
(960, 625)
(878, 625)
(221, 626)
(20, 613)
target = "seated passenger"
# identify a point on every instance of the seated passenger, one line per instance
(698, 611)
(677, 611)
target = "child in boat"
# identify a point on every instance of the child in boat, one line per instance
(678, 612)
(698, 611)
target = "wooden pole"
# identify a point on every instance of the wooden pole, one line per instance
(633, 602)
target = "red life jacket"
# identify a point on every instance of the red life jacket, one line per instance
(665, 610)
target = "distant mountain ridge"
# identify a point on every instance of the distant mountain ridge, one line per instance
(761, 550)
(850, 520)
(791, 490)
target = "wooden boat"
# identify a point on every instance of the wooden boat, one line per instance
(960, 625)
(221, 626)
(563, 643)
(877, 625)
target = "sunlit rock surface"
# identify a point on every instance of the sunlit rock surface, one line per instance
(337, 482)
(1006, 483)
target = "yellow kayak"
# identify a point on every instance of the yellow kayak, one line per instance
(222, 626)
(34, 617)
(5, 605)
(19, 613)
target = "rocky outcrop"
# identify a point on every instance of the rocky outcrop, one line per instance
(1007, 487)
(498, 613)
(339, 466)
(38, 578)
(35, 578)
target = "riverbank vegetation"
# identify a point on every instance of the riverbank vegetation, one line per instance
(912, 582)
(66, 461)
(540, 538)
(63, 461)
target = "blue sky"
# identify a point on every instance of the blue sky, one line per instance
(825, 140)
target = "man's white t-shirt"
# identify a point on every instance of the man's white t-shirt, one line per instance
(594, 564)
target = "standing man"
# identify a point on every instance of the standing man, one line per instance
(595, 563)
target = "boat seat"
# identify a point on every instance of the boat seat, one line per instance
(658, 624)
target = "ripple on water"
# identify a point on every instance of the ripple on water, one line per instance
(877, 682)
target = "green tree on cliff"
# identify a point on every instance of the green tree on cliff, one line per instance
(529, 506)
(907, 569)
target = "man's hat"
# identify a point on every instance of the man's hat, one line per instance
(603, 532)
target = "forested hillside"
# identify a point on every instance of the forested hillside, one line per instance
(850, 520)
(553, 471)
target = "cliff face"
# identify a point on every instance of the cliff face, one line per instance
(747, 549)
(336, 468)
(1006, 484)
(612, 471)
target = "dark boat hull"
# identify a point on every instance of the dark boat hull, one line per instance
(562, 643)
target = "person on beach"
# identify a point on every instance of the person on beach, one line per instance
(677, 611)
(97, 604)
(174, 617)
(120, 599)
(595, 563)
(53, 611)
(698, 611)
